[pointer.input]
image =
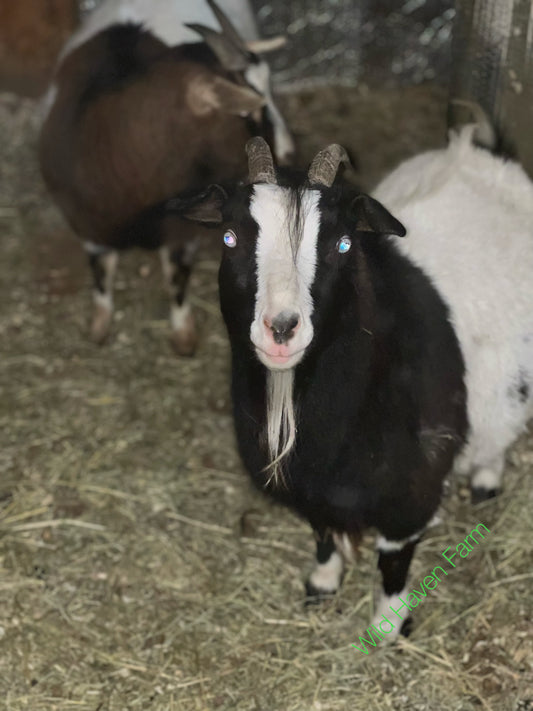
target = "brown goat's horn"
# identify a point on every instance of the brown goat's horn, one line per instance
(228, 30)
(260, 161)
(325, 165)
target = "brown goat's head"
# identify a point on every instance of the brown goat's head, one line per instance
(250, 89)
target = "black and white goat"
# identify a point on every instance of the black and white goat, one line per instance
(150, 98)
(364, 363)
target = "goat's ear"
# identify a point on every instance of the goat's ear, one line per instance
(205, 207)
(235, 99)
(371, 216)
(218, 94)
(229, 54)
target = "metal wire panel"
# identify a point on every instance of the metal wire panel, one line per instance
(375, 42)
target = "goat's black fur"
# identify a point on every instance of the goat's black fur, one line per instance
(383, 372)
(379, 394)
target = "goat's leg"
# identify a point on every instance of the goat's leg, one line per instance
(177, 262)
(394, 561)
(486, 480)
(103, 264)
(485, 473)
(325, 579)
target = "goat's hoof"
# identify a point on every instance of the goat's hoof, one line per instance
(316, 596)
(478, 494)
(407, 627)
(184, 342)
(101, 324)
(183, 336)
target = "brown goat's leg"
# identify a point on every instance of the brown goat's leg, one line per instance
(177, 266)
(103, 263)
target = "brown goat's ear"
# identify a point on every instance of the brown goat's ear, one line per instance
(235, 99)
(205, 207)
(218, 94)
(371, 216)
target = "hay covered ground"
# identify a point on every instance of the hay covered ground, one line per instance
(138, 569)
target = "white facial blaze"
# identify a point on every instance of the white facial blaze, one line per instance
(284, 275)
(286, 263)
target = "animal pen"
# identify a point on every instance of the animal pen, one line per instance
(139, 569)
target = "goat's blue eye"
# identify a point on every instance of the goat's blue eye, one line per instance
(230, 239)
(344, 244)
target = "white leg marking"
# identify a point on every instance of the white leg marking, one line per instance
(384, 616)
(385, 546)
(326, 577)
(485, 478)
(109, 262)
(183, 337)
(180, 316)
(166, 265)
(104, 301)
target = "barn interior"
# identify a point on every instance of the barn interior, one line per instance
(139, 569)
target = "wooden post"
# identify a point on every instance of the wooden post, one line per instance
(493, 65)
(31, 34)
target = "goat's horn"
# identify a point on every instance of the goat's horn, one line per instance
(262, 46)
(325, 165)
(260, 161)
(228, 30)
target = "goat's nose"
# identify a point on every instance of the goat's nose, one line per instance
(283, 326)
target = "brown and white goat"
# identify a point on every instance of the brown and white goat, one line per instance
(132, 120)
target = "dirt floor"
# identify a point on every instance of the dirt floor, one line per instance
(138, 569)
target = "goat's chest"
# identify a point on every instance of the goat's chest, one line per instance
(333, 491)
